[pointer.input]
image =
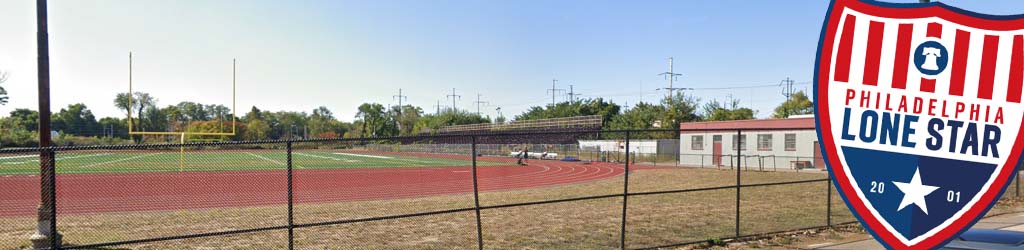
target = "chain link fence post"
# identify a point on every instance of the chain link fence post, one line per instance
(739, 155)
(828, 209)
(625, 196)
(476, 199)
(291, 201)
(51, 166)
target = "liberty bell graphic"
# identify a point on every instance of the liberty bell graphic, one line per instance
(930, 55)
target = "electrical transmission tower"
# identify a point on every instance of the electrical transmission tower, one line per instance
(572, 95)
(453, 96)
(438, 106)
(787, 91)
(478, 102)
(670, 75)
(400, 98)
(554, 91)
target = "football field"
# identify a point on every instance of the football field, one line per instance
(85, 162)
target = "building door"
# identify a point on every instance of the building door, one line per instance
(716, 150)
(819, 160)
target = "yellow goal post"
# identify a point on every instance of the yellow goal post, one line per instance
(183, 134)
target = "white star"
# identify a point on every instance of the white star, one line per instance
(914, 192)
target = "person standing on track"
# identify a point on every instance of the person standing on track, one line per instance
(522, 157)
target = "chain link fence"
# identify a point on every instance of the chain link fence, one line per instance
(585, 189)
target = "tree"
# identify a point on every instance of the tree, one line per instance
(678, 109)
(373, 120)
(641, 116)
(256, 129)
(26, 118)
(798, 104)
(76, 119)
(3, 92)
(447, 118)
(716, 111)
(139, 101)
(193, 111)
(320, 120)
(407, 118)
(154, 119)
(116, 127)
(598, 106)
(218, 112)
(254, 114)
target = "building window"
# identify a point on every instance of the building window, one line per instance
(764, 142)
(716, 139)
(742, 142)
(790, 142)
(697, 142)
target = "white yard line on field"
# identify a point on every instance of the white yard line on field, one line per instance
(17, 156)
(368, 156)
(270, 160)
(119, 160)
(37, 160)
(82, 156)
(325, 157)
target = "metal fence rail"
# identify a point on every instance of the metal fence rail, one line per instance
(278, 156)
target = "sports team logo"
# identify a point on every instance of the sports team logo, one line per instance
(919, 115)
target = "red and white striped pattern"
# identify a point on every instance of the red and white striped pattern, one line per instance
(879, 51)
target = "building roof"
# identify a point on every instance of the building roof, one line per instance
(789, 123)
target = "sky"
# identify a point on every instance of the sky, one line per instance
(299, 55)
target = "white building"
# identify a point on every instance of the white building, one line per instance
(766, 144)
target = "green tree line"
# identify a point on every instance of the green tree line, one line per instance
(76, 124)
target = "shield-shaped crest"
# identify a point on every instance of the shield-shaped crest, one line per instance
(919, 115)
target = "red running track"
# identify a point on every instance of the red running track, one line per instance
(127, 192)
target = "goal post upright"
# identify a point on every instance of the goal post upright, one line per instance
(183, 134)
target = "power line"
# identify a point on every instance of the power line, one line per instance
(554, 91)
(749, 86)
(453, 96)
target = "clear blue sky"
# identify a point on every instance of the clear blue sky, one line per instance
(297, 55)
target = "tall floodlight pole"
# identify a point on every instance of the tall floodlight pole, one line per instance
(670, 75)
(44, 237)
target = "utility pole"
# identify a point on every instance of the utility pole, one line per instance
(670, 75)
(572, 95)
(438, 106)
(787, 91)
(453, 96)
(400, 98)
(499, 111)
(478, 102)
(45, 236)
(554, 91)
